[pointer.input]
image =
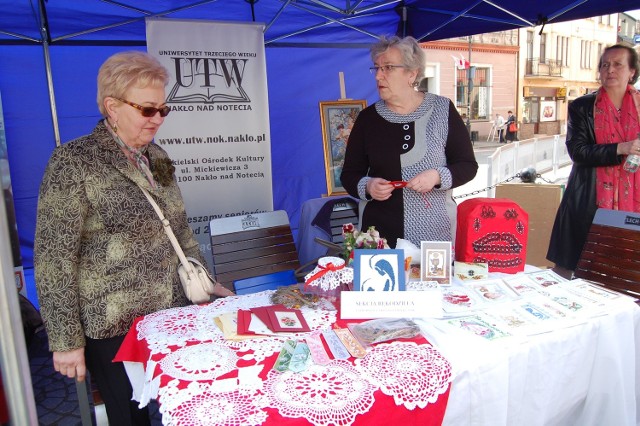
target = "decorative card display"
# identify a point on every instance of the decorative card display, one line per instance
(467, 271)
(546, 277)
(435, 263)
(492, 230)
(492, 291)
(378, 270)
(286, 353)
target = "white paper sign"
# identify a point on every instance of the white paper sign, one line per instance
(385, 304)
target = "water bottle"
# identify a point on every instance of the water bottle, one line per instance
(632, 164)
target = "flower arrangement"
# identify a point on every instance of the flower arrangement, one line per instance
(354, 239)
(163, 170)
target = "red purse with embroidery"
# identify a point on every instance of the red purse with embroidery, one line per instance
(494, 231)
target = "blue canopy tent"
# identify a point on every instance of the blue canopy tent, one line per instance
(50, 51)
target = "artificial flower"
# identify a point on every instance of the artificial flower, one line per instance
(163, 170)
(354, 239)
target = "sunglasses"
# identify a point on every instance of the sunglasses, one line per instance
(148, 111)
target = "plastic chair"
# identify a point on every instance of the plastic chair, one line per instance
(264, 282)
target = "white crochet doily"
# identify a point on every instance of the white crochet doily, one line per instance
(326, 278)
(199, 404)
(332, 394)
(414, 375)
(205, 361)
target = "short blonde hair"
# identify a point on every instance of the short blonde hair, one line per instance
(125, 70)
(413, 56)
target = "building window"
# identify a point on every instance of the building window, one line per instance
(585, 54)
(543, 48)
(562, 51)
(480, 92)
(529, 44)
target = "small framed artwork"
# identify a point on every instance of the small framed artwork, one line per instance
(435, 261)
(337, 120)
(378, 270)
(287, 320)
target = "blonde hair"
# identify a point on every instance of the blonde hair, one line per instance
(413, 56)
(125, 70)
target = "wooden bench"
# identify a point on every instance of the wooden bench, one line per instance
(252, 245)
(611, 254)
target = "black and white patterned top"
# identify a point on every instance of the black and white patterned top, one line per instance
(399, 146)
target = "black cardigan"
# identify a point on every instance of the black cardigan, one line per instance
(578, 205)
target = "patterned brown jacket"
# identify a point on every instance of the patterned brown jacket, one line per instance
(101, 256)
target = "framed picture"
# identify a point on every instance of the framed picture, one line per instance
(337, 119)
(435, 261)
(378, 270)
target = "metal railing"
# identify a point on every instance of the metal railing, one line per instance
(545, 154)
(543, 67)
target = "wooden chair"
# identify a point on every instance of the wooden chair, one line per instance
(611, 254)
(252, 245)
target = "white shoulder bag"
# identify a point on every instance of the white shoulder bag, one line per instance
(198, 285)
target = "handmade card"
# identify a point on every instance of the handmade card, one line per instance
(378, 270)
(522, 284)
(459, 299)
(492, 291)
(467, 271)
(287, 320)
(480, 326)
(435, 264)
(546, 278)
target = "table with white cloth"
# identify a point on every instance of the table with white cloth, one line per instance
(179, 357)
(585, 373)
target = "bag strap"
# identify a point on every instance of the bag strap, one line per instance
(167, 228)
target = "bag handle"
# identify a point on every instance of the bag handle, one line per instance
(167, 228)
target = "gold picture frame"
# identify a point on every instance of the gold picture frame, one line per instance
(337, 118)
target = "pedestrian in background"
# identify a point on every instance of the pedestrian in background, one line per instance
(512, 127)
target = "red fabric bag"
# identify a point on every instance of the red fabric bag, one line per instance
(492, 230)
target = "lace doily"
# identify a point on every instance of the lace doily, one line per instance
(199, 404)
(205, 361)
(414, 375)
(171, 327)
(333, 394)
(329, 274)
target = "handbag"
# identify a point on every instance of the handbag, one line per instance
(513, 127)
(198, 285)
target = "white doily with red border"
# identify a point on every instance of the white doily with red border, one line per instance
(332, 394)
(414, 375)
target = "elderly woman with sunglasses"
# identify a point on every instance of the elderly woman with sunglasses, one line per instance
(102, 257)
(407, 151)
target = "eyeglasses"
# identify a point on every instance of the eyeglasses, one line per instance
(148, 111)
(386, 69)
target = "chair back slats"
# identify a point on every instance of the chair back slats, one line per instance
(343, 212)
(241, 254)
(611, 254)
(264, 282)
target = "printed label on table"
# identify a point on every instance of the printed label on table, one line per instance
(390, 304)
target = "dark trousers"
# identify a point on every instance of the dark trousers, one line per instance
(113, 383)
(501, 135)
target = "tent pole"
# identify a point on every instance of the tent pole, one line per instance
(44, 30)
(14, 360)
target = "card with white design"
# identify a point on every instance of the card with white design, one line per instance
(546, 278)
(492, 291)
(543, 309)
(522, 284)
(596, 293)
(480, 325)
(515, 320)
(572, 302)
(459, 299)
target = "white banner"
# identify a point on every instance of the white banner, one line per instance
(217, 133)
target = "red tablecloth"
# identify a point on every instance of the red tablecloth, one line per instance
(384, 410)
